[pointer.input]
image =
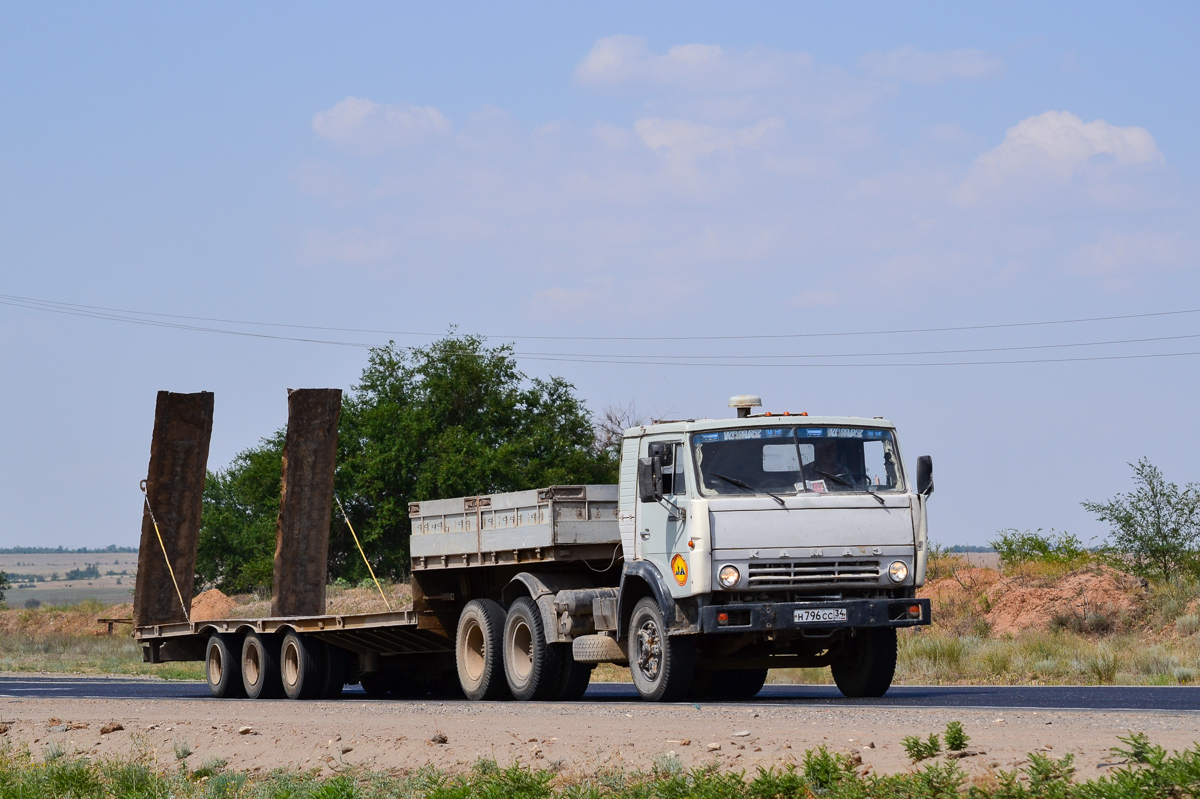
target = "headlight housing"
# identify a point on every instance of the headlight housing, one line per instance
(729, 576)
(898, 571)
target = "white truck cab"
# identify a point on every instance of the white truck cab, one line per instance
(769, 541)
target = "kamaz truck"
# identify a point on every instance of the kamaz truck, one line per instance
(728, 548)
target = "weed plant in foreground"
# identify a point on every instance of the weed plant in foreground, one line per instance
(1147, 771)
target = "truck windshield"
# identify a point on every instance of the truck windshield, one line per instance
(791, 460)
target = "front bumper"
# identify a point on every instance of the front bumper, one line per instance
(764, 616)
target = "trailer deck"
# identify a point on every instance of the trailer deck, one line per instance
(386, 634)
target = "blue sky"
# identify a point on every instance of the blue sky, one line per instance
(633, 172)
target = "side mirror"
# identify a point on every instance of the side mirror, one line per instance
(649, 477)
(925, 475)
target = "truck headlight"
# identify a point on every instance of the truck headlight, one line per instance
(729, 576)
(898, 571)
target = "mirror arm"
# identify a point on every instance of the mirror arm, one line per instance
(679, 512)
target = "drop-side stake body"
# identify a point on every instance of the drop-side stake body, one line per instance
(728, 547)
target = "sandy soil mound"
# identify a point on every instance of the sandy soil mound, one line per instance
(965, 585)
(212, 604)
(1016, 607)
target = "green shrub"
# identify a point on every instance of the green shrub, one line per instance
(956, 737)
(1016, 547)
(918, 749)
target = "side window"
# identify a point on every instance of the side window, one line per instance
(673, 479)
(678, 481)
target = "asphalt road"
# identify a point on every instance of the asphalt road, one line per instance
(1037, 697)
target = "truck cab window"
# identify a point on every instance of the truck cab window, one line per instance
(673, 480)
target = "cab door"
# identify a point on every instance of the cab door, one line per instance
(662, 527)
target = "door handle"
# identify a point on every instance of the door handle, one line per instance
(645, 534)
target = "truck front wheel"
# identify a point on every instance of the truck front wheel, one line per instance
(866, 664)
(477, 645)
(662, 666)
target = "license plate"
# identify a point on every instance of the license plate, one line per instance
(810, 615)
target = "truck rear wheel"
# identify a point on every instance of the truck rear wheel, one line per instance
(744, 683)
(532, 667)
(867, 663)
(477, 646)
(302, 666)
(260, 666)
(662, 666)
(222, 659)
(574, 678)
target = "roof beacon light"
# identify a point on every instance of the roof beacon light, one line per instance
(743, 403)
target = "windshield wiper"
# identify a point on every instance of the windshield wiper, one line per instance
(851, 486)
(749, 487)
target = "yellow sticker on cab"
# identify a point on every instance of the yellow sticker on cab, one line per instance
(679, 569)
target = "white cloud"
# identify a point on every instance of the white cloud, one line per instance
(369, 128)
(616, 61)
(683, 139)
(1055, 147)
(919, 66)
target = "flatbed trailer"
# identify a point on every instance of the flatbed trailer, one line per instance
(462, 549)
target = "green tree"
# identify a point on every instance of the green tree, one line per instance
(1156, 527)
(4, 583)
(451, 419)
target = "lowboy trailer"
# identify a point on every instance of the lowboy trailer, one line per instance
(729, 547)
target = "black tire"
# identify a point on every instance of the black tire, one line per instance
(222, 666)
(260, 666)
(866, 664)
(376, 685)
(532, 667)
(662, 665)
(477, 648)
(574, 678)
(302, 666)
(744, 683)
(337, 663)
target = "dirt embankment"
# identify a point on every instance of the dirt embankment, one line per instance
(1011, 605)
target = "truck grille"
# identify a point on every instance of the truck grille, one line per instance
(800, 572)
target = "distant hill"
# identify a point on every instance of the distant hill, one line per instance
(65, 550)
(964, 548)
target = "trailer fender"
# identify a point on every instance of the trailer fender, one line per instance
(641, 579)
(542, 587)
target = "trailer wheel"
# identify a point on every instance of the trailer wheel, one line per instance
(376, 684)
(221, 667)
(260, 666)
(336, 666)
(574, 678)
(477, 645)
(532, 667)
(867, 663)
(662, 666)
(302, 666)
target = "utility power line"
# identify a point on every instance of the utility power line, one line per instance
(30, 302)
(777, 360)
